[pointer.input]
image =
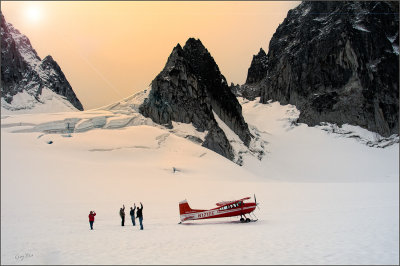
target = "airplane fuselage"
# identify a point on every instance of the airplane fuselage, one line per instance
(235, 209)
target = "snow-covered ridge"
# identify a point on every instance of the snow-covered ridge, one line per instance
(27, 52)
(371, 139)
(257, 147)
(27, 103)
(128, 105)
(268, 124)
(123, 114)
(364, 136)
(298, 152)
(119, 115)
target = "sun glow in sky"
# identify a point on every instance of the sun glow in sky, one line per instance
(109, 50)
(33, 13)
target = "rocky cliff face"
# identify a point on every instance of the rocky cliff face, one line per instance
(258, 67)
(23, 71)
(248, 91)
(338, 62)
(257, 71)
(191, 89)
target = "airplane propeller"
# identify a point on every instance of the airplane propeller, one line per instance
(255, 200)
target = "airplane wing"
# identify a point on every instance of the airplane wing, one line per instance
(223, 203)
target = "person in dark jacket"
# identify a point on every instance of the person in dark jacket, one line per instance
(92, 214)
(132, 213)
(122, 214)
(139, 214)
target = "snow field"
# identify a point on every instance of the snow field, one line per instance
(309, 154)
(324, 199)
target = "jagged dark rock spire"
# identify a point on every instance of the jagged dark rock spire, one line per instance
(189, 89)
(258, 68)
(257, 71)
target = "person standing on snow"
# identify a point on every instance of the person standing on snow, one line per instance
(132, 213)
(139, 215)
(122, 214)
(92, 214)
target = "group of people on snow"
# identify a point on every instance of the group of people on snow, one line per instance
(139, 215)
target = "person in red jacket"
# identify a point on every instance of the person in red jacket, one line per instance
(92, 214)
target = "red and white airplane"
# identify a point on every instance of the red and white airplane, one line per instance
(224, 209)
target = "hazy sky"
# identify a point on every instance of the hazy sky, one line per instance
(110, 50)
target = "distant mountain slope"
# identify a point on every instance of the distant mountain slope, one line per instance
(29, 84)
(189, 89)
(338, 62)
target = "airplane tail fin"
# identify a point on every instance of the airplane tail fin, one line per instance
(184, 207)
(186, 213)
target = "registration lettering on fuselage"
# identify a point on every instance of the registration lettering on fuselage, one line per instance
(205, 214)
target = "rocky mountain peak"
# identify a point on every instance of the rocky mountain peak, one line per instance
(22, 71)
(223, 101)
(261, 53)
(195, 44)
(338, 62)
(257, 71)
(258, 67)
(191, 89)
(203, 63)
(177, 51)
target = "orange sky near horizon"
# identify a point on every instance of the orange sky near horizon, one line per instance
(109, 50)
